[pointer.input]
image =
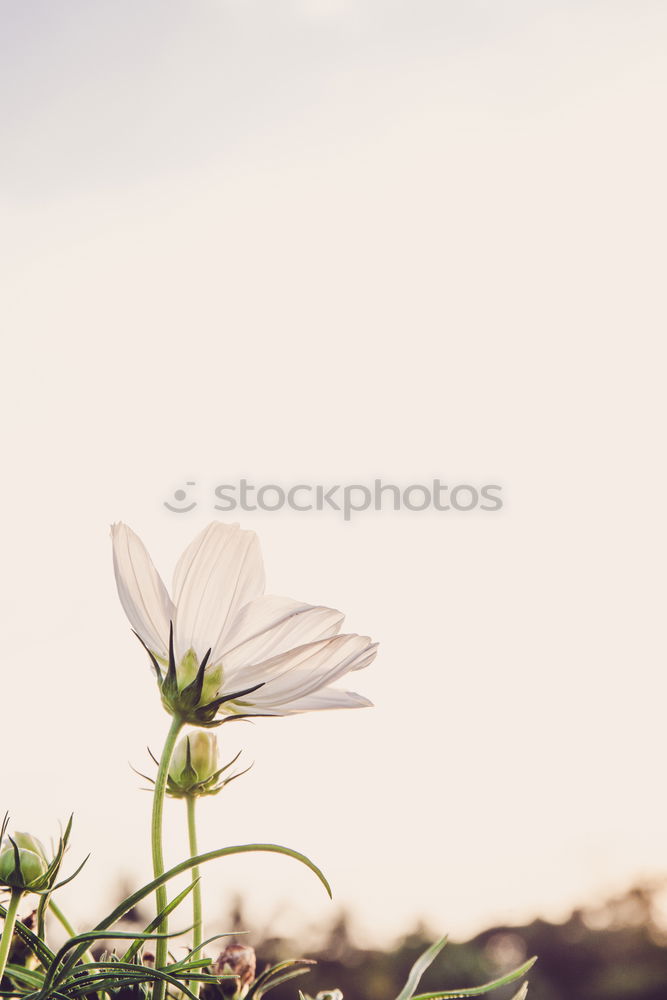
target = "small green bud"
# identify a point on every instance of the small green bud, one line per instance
(30, 869)
(30, 843)
(195, 762)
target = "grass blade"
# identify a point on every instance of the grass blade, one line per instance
(419, 968)
(476, 991)
(154, 924)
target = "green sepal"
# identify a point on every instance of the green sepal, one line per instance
(190, 697)
(210, 786)
(153, 659)
(16, 873)
(225, 767)
(236, 718)
(186, 703)
(64, 881)
(189, 773)
(169, 688)
(201, 715)
(214, 705)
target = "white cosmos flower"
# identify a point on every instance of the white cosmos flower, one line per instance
(230, 639)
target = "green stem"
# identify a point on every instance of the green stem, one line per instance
(161, 945)
(8, 929)
(64, 922)
(62, 919)
(197, 932)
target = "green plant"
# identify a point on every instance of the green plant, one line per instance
(221, 651)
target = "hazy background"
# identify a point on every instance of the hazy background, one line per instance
(328, 241)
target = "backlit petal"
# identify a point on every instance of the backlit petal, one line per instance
(269, 626)
(219, 573)
(142, 593)
(304, 670)
(322, 700)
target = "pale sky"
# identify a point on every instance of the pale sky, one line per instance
(329, 242)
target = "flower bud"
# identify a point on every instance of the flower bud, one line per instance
(23, 871)
(195, 762)
(30, 843)
(238, 960)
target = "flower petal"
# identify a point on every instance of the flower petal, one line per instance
(272, 625)
(142, 593)
(302, 671)
(321, 700)
(219, 572)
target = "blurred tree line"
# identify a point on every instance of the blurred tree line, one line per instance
(616, 951)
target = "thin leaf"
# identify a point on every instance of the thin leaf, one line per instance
(34, 996)
(195, 971)
(199, 859)
(59, 885)
(282, 978)
(475, 991)
(419, 968)
(199, 947)
(146, 975)
(78, 945)
(19, 972)
(154, 924)
(288, 963)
